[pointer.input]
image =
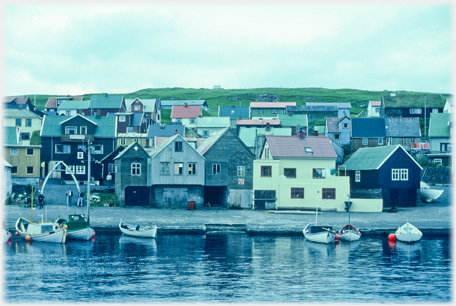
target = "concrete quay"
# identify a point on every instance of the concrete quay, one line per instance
(430, 218)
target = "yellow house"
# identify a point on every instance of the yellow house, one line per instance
(25, 122)
(295, 172)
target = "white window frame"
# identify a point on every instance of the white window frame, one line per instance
(121, 118)
(389, 141)
(83, 130)
(111, 168)
(135, 169)
(365, 141)
(380, 141)
(122, 141)
(164, 168)
(63, 149)
(80, 169)
(179, 169)
(438, 161)
(357, 176)
(241, 171)
(80, 155)
(191, 168)
(399, 175)
(216, 169)
(404, 174)
(130, 129)
(70, 170)
(71, 128)
(274, 111)
(136, 108)
(97, 151)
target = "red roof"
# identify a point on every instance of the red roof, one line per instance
(183, 111)
(258, 122)
(295, 147)
(376, 103)
(271, 104)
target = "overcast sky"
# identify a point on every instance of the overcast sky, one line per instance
(75, 49)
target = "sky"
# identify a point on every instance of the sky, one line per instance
(60, 48)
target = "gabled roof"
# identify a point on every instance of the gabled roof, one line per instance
(210, 141)
(9, 135)
(412, 100)
(136, 119)
(106, 126)
(52, 101)
(375, 103)
(168, 130)
(213, 122)
(132, 147)
(189, 111)
(114, 153)
(6, 164)
(368, 127)
(106, 101)
(403, 127)
(295, 147)
(78, 115)
(248, 136)
(271, 104)
(69, 105)
(18, 100)
(149, 105)
(293, 119)
(234, 112)
(329, 104)
(19, 113)
(439, 125)
(332, 124)
(168, 141)
(182, 102)
(373, 158)
(257, 122)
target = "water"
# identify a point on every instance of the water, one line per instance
(228, 268)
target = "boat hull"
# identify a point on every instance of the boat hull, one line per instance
(349, 233)
(6, 236)
(320, 234)
(408, 233)
(142, 232)
(81, 234)
(38, 231)
(430, 195)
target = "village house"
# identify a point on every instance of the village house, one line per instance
(402, 104)
(338, 128)
(169, 104)
(72, 107)
(150, 107)
(107, 104)
(297, 122)
(54, 102)
(268, 110)
(24, 121)
(374, 108)
(205, 126)
(108, 166)
(186, 114)
(234, 113)
(229, 170)
(294, 172)
(440, 134)
(343, 108)
(163, 130)
(18, 103)
(254, 138)
(387, 172)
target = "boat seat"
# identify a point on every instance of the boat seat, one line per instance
(137, 227)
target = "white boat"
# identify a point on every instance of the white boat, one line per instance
(408, 233)
(6, 235)
(349, 233)
(43, 231)
(137, 230)
(427, 194)
(319, 233)
(78, 227)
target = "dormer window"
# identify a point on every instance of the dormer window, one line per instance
(308, 150)
(71, 130)
(121, 118)
(136, 108)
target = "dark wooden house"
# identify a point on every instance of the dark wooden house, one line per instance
(133, 179)
(61, 137)
(229, 170)
(388, 172)
(403, 104)
(77, 162)
(108, 165)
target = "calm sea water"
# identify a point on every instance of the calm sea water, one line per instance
(228, 268)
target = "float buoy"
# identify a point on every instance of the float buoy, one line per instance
(93, 234)
(391, 237)
(17, 234)
(337, 237)
(28, 238)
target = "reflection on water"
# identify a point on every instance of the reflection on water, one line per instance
(228, 268)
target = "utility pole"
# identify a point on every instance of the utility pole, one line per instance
(424, 116)
(88, 174)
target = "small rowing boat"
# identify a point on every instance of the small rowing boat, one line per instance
(137, 230)
(408, 233)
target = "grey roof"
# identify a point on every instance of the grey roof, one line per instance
(368, 127)
(128, 149)
(167, 130)
(106, 126)
(148, 104)
(403, 127)
(336, 104)
(182, 102)
(210, 141)
(333, 124)
(136, 119)
(312, 108)
(295, 147)
(9, 135)
(106, 101)
(234, 112)
(69, 104)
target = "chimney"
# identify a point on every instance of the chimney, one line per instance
(301, 134)
(268, 126)
(186, 104)
(175, 132)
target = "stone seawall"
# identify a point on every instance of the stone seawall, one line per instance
(433, 176)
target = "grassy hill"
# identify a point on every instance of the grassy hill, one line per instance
(242, 97)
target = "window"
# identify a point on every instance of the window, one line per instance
(336, 136)
(13, 151)
(289, 172)
(14, 170)
(308, 150)
(178, 168)
(404, 174)
(18, 122)
(164, 168)
(83, 130)
(28, 122)
(121, 118)
(135, 169)
(80, 170)
(137, 108)
(60, 148)
(438, 161)
(266, 171)
(328, 193)
(122, 141)
(415, 111)
(25, 136)
(364, 143)
(377, 109)
(266, 153)
(357, 176)
(80, 155)
(319, 173)
(297, 193)
(29, 151)
(395, 174)
(192, 121)
(135, 140)
(178, 146)
(389, 141)
(260, 111)
(274, 111)
(130, 129)
(70, 130)
(191, 168)
(97, 149)
(445, 147)
(69, 169)
(380, 141)
(111, 168)
(241, 171)
(29, 170)
(68, 113)
(215, 169)
(205, 133)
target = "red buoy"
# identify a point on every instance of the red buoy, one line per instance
(28, 238)
(391, 237)
(17, 233)
(337, 237)
(93, 234)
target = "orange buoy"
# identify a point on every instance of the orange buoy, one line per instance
(28, 238)
(17, 233)
(337, 237)
(93, 234)
(391, 237)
